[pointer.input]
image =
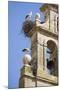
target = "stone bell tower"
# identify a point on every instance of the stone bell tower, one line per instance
(42, 70)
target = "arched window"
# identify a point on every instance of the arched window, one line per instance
(51, 57)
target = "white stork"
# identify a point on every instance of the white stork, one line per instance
(28, 16)
(26, 50)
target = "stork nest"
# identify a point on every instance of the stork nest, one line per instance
(27, 26)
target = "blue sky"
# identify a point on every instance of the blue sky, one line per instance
(16, 39)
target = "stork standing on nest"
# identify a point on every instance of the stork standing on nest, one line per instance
(28, 16)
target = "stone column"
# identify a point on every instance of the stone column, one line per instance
(45, 55)
(37, 51)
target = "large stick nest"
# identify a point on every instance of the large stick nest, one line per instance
(27, 26)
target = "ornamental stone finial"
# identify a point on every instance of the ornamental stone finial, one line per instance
(37, 16)
(26, 59)
(37, 19)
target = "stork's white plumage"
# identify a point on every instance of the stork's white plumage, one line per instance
(29, 15)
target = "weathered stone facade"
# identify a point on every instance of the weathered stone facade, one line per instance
(43, 70)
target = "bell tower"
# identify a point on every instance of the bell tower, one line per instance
(43, 67)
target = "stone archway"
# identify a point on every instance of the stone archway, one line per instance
(52, 57)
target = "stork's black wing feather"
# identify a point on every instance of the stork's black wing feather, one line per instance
(26, 16)
(24, 50)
